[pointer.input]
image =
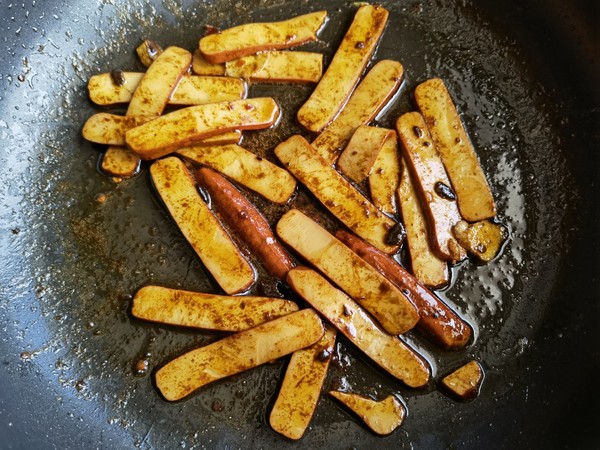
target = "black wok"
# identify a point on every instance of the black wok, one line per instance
(525, 75)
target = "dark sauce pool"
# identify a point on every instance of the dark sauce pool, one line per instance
(77, 260)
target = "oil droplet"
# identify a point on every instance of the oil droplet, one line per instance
(140, 368)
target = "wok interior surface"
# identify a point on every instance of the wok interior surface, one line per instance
(525, 80)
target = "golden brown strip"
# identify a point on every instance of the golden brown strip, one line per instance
(301, 387)
(348, 271)
(206, 311)
(239, 352)
(110, 129)
(335, 192)
(385, 176)
(191, 90)
(120, 162)
(251, 38)
(158, 83)
(187, 126)
(473, 192)
(382, 417)
(247, 222)
(438, 322)
(254, 172)
(149, 98)
(370, 96)
(345, 68)
(425, 265)
(464, 382)
(201, 228)
(352, 321)
(431, 182)
(278, 67)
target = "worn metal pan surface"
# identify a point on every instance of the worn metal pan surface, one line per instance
(525, 76)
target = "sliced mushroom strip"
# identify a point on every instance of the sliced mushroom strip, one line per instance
(358, 158)
(438, 322)
(432, 184)
(424, 264)
(149, 98)
(191, 90)
(391, 353)
(382, 417)
(206, 311)
(345, 69)
(110, 129)
(335, 192)
(252, 171)
(239, 352)
(465, 382)
(348, 271)
(278, 67)
(371, 95)
(251, 38)
(187, 126)
(201, 228)
(473, 193)
(385, 176)
(301, 387)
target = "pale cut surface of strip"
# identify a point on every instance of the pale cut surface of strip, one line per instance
(278, 67)
(187, 126)
(382, 417)
(120, 162)
(239, 352)
(149, 98)
(201, 228)
(428, 176)
(247, 222)
(301, 387)
(345, 68)
(388, 351)
(158, 83)
(201, 66)
(110, 129)
(357, 159)
(425, 265)
(385, 176)
(102, 90)
(348, 271)
(243, 166)
(251, 38)
(148, 51)
(378, 86)
(335, 192)
(191, 90)
(206, 311)
(465, 382)
(473, 193)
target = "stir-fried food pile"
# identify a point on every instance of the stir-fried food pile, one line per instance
(419, 185)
